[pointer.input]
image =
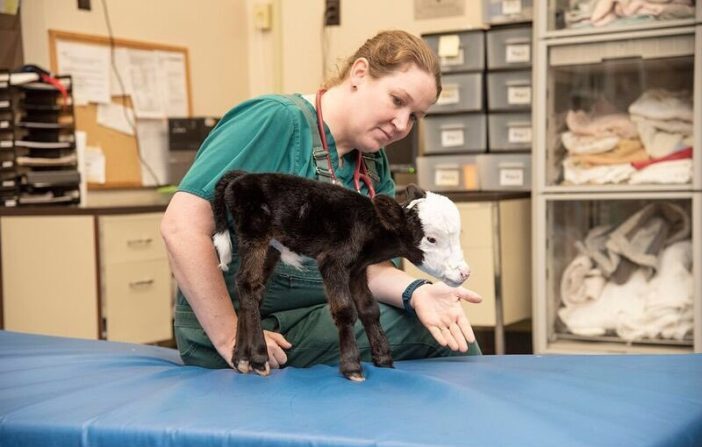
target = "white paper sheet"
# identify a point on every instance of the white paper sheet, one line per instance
(94, 164)
(117, 117)
(90, 67)
(125, 75)
(153, 145)
(146, 93)
(172, 79)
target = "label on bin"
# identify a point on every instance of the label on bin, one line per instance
(447, 61)
(511, 177)
(452, 138)
(519, 95)
(516, 53)
(450, 94)
(446, 177)
(519, 135)
(511, 6)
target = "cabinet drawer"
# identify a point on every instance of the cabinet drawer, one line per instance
(130, 238)
(137, 301)
(477, 222)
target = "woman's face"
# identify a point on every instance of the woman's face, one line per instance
(386, 108)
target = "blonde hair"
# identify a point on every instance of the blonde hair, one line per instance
(390, 51)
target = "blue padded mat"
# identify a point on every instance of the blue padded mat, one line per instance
(68, 392)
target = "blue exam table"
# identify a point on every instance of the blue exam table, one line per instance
(67, 392)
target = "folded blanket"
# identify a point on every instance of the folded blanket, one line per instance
(659, 143)
(627, 151)
(661, 104)
(587, 144)
(615, 124)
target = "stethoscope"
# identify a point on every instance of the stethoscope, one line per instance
(360, 173)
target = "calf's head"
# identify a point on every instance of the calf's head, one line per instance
(436, 226)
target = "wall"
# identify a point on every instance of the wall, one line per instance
(303, 36)
(214, 31)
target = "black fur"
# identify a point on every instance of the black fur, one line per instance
(344, 231)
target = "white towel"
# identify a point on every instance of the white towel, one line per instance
(661, 104)
(665, 172)
(581, 282)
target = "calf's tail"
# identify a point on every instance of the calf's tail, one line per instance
(222, 239)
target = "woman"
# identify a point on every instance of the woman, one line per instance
(382, 90)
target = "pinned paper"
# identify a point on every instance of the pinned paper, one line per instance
(94, 164)
(117, 117)
(449, 45)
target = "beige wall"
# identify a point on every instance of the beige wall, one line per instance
(214, 31)
(230, 60)
(302, 34)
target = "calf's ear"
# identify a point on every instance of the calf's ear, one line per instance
(389, 211)
(409, 193)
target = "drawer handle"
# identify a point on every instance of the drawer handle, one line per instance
(139, 242)
(141, 283)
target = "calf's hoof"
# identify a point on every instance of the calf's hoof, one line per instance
(384, 362)
(353, 372)
(356, 377)
(243, 366)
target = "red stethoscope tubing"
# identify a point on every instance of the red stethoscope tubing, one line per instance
(360, 173)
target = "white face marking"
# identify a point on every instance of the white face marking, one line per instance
(443, 255)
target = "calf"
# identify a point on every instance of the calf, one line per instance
(284, 217)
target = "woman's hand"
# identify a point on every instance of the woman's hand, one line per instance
(438, 307)
(275, 343)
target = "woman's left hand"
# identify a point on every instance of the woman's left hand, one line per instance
(438, 307)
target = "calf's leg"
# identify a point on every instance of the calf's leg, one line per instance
(369, 314)
(257, 261)
(336, 284)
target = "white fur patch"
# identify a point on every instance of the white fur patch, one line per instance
(288, 256)
(223, 244)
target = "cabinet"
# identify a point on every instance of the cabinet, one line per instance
(100, 274)
(496, 242)
(617, 183)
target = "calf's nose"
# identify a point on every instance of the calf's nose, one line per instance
(464, 272)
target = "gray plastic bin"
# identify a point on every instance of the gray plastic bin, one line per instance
(462, 92)
(509, 90)
(448, 173)
(509, 132)
(498, 172)
(509, 48)
(471, 50)
(465, 132)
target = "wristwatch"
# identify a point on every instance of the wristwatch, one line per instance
(407, 294)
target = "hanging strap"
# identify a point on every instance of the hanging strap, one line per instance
(319, 155)
(371, 162)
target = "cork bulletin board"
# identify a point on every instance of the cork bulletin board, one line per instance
(121, 151)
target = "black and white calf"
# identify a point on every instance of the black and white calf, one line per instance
(283, 217)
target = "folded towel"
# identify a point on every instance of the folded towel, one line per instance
(659, 143)
(674, 172)
(581, 282)
(627, 151)
(596, 175)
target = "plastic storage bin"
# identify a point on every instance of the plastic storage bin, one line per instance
(457, 133)
(499, 172)
(448, 173)
(509, 90)
(509, 48)
(461, 92)
(470, 55)
(507, 11)
(509, 132)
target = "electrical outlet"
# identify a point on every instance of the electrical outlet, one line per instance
(332, 13)
(84, 4)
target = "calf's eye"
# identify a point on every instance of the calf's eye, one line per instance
(431, 240)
